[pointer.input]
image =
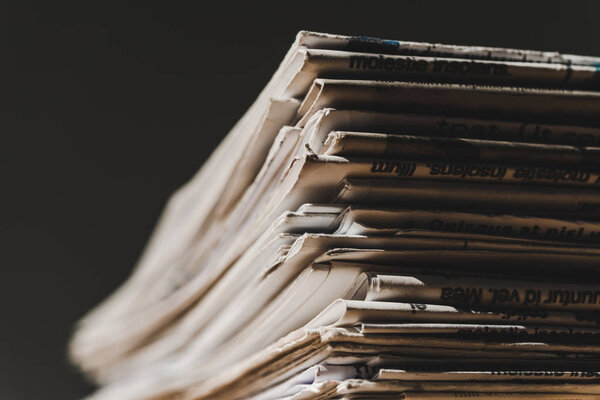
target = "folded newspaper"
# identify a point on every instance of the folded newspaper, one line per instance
(389, 220)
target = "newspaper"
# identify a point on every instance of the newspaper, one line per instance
(144, 319)
(359, 144)
(388, 220)
(558, 106)
(527, 130)
(231, 318)
(543, 201)
(461, 290)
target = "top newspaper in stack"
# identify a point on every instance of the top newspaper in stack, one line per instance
(441, 146)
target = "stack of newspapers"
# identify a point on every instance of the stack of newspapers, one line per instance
(389, 220)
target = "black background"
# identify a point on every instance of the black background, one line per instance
(112, 106)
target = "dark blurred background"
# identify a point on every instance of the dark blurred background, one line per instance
(112, 106)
